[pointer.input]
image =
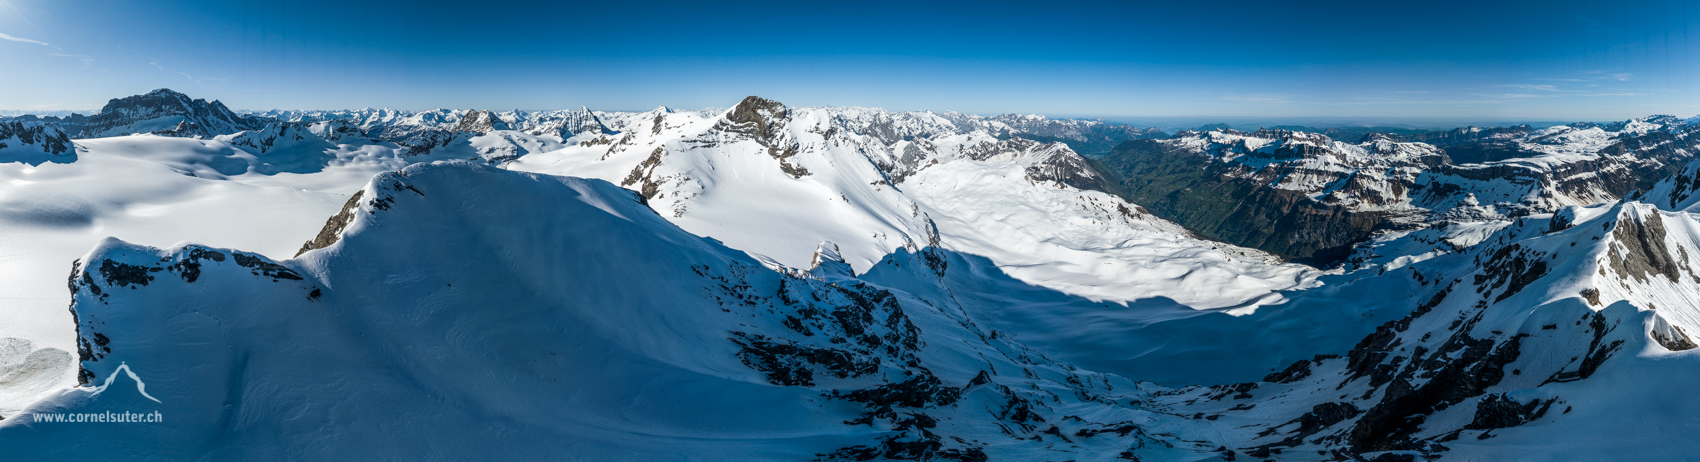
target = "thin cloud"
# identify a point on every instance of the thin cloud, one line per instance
(87, 60)
(60, 52)
(1508, 95)
(186, 75)
(1553, 88)
(25, 40)
(1605, 74)
(1395, 101)
(1263, 98)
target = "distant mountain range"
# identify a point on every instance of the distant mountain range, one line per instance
(768, 282)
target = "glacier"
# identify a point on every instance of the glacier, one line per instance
(765, 282)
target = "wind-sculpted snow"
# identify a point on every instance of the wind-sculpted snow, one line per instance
(595, 330)
(263, 188)
(157, 191)
(783, 283)
(777, 180)
(500, 314)
(30, 373)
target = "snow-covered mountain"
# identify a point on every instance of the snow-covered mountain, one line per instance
(597, 330)
(602, 322)
(1020, 202)
(768, 282)
(1308, 196)
(32, 141)
(1089, 137)
(164, 112)
(1093, 135)
(1555, 339)
(843, 176)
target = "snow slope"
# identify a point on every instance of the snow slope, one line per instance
(596, 331)
(266, 189)
(1011, 200)
(147, 189)
(967, 295)
(599, 330)
(1558, 338)
(777, 181)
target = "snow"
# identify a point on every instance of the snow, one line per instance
(474, 348)
(268, 190)
(970, 189)
(496, 293)
(1082, 243)
(608, 344)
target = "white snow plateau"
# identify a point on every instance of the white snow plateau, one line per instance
(767, 282)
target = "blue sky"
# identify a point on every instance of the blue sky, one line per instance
(1552, 60)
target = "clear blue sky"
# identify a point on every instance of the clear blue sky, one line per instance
(1566, 60)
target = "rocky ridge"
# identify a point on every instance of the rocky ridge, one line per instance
(1306, 196)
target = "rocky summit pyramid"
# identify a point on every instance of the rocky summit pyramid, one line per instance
(775, 282)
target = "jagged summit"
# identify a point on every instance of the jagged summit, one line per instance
(33, 142)
(165, 112)
(976, 289)
(1677, 192)
(481, 122)
(755, 111)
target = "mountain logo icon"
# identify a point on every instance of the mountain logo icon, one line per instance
(140, 387)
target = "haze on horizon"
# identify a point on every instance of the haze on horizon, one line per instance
(1563, 60)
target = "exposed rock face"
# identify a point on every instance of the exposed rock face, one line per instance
(1678, 191)
(1474, 144)
(1306, 196)
(762, 120)
(281, 134)
(1478, 352)
(566, 124)
(757, 117)
(165, 112)
(1070, 169)
(334, 225)
(33, 141)
(1643, 252)
(1233, 202)
(1671, 337)
(880, 372)
(480, 122)
(1498, 411)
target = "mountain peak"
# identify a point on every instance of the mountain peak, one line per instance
(753, 105)
(163, 91)
(757, 116)
(478, 121)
